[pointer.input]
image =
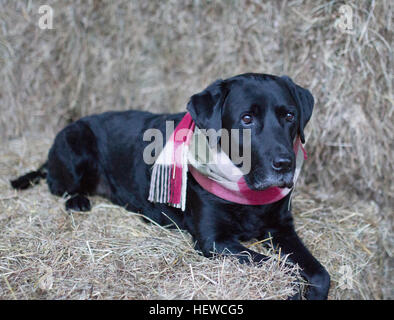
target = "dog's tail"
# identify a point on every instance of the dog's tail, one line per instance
(31, 178)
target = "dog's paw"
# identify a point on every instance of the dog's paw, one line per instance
(78, 203)
(297, 296)
(318, 287)
(315, 294)
(299, 293)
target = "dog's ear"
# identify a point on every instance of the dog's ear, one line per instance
(206, 107)
(304, 101)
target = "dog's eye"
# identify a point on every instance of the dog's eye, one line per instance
(247, 119)
(289, 117)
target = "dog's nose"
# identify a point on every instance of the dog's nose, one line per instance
(281, 164)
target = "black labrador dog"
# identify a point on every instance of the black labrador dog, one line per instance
(103, 154)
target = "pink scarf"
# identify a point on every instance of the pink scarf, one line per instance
(169, 174)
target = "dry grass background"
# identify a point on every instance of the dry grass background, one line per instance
(152, 55)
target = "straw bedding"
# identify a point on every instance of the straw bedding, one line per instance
(152, 55)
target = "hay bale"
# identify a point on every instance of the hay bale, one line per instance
(153, 56)
(110, 253)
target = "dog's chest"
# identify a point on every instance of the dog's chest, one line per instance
(249, 222)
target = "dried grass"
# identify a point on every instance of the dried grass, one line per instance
(152, 55)
(110, 253)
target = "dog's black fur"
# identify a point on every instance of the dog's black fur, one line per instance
(103, 154)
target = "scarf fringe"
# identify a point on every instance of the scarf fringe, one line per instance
(162, 177)
(158, 191)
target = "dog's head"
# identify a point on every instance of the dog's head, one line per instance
(275, 110)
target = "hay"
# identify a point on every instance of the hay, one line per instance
(152, 55)
(110, 253)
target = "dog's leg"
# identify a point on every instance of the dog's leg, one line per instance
(230, 247)
(213, 237)
(78, 202)
(316, 275)
(73, 166)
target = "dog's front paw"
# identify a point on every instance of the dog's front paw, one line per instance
(78, 203)
(316, 294)
(318, 287)
(300, 289)
(297, 296)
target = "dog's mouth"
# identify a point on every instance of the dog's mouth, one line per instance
(258, 184)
